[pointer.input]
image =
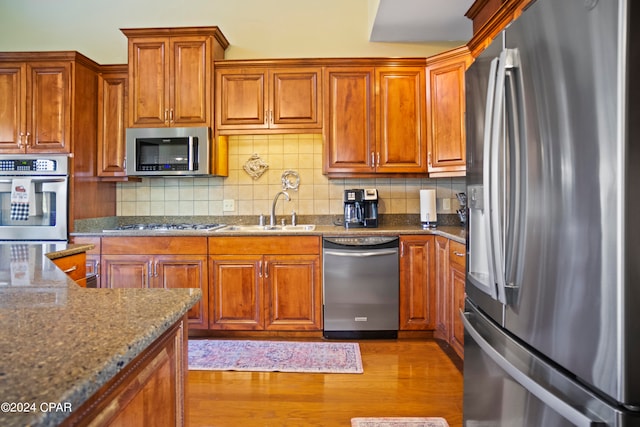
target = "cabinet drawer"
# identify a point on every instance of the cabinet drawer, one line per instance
(95, 241)
(257, 245)
(75, 266)
(154, 245)
(457, 253)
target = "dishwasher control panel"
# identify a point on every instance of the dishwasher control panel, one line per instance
(378, 241)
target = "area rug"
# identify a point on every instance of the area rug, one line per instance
(275, 356)
(399, 422)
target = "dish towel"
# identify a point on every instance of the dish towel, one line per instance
(20, 198)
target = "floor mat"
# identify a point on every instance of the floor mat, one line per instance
(275, 356)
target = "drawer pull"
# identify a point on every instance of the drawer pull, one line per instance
(456, 253)
(70, 269)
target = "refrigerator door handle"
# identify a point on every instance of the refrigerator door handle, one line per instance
(514, 165)
(496, 177)
(486, 177)
(553, 401)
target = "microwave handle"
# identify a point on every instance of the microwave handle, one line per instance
(192, 159)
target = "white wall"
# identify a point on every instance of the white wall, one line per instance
(254, 28)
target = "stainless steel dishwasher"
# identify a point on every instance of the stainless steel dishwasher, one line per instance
(360, 287)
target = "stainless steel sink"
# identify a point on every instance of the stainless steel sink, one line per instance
(267, 228)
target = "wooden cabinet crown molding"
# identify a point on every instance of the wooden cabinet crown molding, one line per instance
(178, 32)
(322, 62)
(507, 12)
(50, 56)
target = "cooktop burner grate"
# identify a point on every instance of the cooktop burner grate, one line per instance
(167, 227)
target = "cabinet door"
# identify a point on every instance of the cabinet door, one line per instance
(400, 120)
(126, 271)
(442, 288)
(241, 99)
(49, 115)
(445, 114)
(190, 74)
(417, 279)
(13, 100)
(236, 298)
(112, 122)
(93, 267)
(185, 271)
(149, 82)
(293, 293)
(457, 278)
(349, 121)
(457, 258)
(295, 98)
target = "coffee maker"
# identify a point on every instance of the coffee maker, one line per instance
(361, 208)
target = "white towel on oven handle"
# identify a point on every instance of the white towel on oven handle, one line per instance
(22, 198)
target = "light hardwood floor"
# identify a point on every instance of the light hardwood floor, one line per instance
(401, 378)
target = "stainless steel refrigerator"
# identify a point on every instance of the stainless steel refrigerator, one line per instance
(552, 316)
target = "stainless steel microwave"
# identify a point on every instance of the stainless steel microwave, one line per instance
(168, 151)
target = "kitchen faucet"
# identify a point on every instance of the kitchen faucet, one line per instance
(272, 220)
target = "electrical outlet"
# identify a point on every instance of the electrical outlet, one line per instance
(446, 204)
(228, 205)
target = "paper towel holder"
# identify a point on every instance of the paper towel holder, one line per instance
(428, 213)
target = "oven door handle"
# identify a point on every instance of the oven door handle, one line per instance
(36, 178)
(361, 254)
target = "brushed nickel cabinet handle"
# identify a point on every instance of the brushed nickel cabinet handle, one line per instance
(70, 269)
(456, 253)
(260, 269)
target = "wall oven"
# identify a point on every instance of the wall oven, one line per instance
(33, 197)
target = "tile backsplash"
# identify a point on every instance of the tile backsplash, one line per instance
(317, 195)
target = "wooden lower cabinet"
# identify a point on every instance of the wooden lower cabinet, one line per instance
(93, 256)
(149, 391)
(75, 267)
(417, 279)
(271, 283)
(442, 288)
(158, 262)
(457, 257)
(450, 294)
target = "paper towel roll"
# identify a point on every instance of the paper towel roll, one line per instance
(428, 207)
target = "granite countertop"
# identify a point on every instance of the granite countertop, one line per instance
(323, 228)
(59, 343)
(65, 250)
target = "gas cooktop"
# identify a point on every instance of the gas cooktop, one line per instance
(166, 227)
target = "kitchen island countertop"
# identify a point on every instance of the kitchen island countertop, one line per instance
(59, 343)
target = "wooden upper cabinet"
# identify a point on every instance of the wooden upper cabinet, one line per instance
(445, 112)
(250, 97)
(400, 127)
(349, 120)
(375, 119)
(171, 75)
(35, 106)
(112, 120)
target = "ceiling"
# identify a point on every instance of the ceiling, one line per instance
(421, 21)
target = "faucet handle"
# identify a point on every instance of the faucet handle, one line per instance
(261, 220)
(294, 218)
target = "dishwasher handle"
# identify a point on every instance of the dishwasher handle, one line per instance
(362, 254)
